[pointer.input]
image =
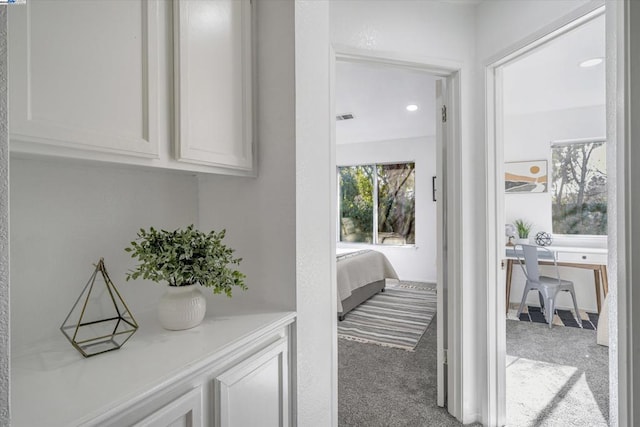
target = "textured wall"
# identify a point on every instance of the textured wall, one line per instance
(4, 225)
(315, 242)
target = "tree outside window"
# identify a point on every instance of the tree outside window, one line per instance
(383, 195)
(579, 199)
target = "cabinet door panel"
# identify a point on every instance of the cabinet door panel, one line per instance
(83, 74)
(186, 411)
(213, 82)
(255, 392)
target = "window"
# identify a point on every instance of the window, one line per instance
(579, 199)
(382, 194)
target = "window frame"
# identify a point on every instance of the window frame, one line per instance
(374, 234)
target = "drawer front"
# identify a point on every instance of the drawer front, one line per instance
(582, 258)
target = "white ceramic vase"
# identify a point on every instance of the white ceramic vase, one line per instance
(181, 307)
(522, 241)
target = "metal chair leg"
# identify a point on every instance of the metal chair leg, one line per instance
(550, 311)
(575, 306)
(524, 299)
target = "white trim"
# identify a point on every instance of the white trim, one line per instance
(5, 341)
(334, 217)
(451, 71)
(494, 405)
(625, 130)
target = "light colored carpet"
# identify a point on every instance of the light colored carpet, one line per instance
(555, 377)
(381, 386)
(396, 318)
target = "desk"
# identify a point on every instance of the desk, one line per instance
(586, 258)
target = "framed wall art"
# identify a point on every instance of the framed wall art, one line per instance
(526, 177)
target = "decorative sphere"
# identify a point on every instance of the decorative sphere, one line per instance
(543, 238)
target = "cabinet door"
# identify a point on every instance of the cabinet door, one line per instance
(256, 391)
(185, 411)
(213, 82)
(83, 75)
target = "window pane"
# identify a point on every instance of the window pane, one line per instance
(396, 204)
(356, 204)
(579, 200)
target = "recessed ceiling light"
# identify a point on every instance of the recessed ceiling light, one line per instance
(412, 107)
(592, 62)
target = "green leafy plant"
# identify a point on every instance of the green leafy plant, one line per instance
(185, 257)
(523, 227)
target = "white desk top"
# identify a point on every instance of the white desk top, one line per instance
(579, 250)
(53, 382)
(587, 256)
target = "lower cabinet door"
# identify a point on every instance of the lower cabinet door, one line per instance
(185, 411)
(255, 392)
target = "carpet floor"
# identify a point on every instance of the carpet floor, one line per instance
(556, 377)
(379, 386)
(384, 387)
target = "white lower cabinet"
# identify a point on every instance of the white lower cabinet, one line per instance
(249, 388)
(231, 370)
(255, 392)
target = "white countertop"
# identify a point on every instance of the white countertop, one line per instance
(54, 384)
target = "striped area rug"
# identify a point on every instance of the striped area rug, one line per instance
(396, 318)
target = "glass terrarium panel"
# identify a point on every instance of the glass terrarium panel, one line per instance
(98, 346)
(96, 330)
(99, 320)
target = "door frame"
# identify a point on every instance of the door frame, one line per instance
(449, 70)
(495, 405)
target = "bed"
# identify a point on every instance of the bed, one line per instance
(360, 275)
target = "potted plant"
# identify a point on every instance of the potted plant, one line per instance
(185, 258)
(524, 228)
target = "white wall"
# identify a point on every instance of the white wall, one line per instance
(527, 137)
(315, 219)
(64, 217)
(411, 262)
(259, 214)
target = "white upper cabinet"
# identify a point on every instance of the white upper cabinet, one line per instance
(213, 100)
(139, 82)
(83, 75)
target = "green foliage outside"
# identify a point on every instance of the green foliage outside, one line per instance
(396, 203)
(186, 257)
(356, 185)
(579, 202)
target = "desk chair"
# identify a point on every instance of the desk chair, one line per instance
(548, 287)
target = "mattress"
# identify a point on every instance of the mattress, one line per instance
(357, 269)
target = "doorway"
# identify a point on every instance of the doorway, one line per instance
(446, 129)
(552, 128)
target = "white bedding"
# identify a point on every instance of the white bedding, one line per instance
(359, 268)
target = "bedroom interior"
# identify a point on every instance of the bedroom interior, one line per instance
(386, 159)
(554, 125)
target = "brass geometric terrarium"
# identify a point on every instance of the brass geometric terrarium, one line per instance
(99, 321)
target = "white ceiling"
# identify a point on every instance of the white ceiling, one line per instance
(378, 96)
(550, 78)
(546, 79)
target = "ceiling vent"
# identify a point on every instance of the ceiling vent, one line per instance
(347, 116)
